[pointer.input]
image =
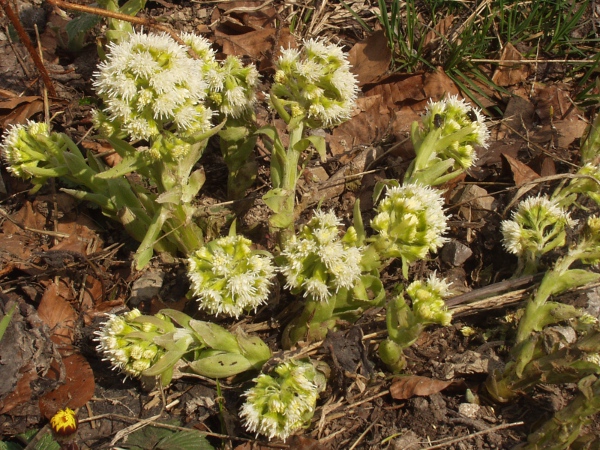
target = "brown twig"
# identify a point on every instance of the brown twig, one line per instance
(24, 37)
(116, 15)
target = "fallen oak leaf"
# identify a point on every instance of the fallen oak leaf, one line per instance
(414, 385)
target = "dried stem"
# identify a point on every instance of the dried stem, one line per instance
(24, 37)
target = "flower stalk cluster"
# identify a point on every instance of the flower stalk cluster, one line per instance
(405, 323)
(336, 275)
(140, 345)
(409, 223)
(313, 88)
(283, 402)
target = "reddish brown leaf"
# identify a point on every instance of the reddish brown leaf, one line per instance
(408, 387)
(521, 172)
(77, 390)
(22, 392)
(370, 58)
(57, 313)
(21, 109)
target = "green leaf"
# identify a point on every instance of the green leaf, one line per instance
(319, 143)
(77, 29)
(220, 365)
(215, 336)
(130, 163)
(184, 440)
(6, 320)
(179, 317)
(234, 133)
(168, 360)
(279, 200)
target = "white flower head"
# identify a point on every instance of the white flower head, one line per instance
(21, 148)
(536, 227)
(318, 262)
(316, 82)
(228, 277)
(128, 344)
(146, 79)
(282, 403)
(410, 222)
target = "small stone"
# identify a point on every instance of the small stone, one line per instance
(470, 410)
(455, 253)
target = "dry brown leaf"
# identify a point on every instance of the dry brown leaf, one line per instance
(510, 73)
(437, 84)
(522, 173)
(440, 30)
(370, 58)
(57, 313)
(77, 390)
(397, 88)
(411, 386)
(248, 14)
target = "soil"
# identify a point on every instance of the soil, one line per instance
(65, 266)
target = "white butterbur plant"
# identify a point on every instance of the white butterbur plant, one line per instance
(335, 273)
(228, 277)
(282, 403)
(406, 323)
(445, 144)
(313, 88)
(318, 261)
(538, 226)
(315, 83)
(148, 82)
(153, 345)
(410, 222)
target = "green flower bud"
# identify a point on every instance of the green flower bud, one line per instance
(428, 301)
(228, 277)
(279, 405)
(410, 222)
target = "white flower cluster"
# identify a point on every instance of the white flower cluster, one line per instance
(316, 82)
(428, 300)
(536, 227)
(318, 262)
(410, 222)
(279, 405)
(20, 147)
(228, 277)
(452, 115)
(121, 343)
(148, 81)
